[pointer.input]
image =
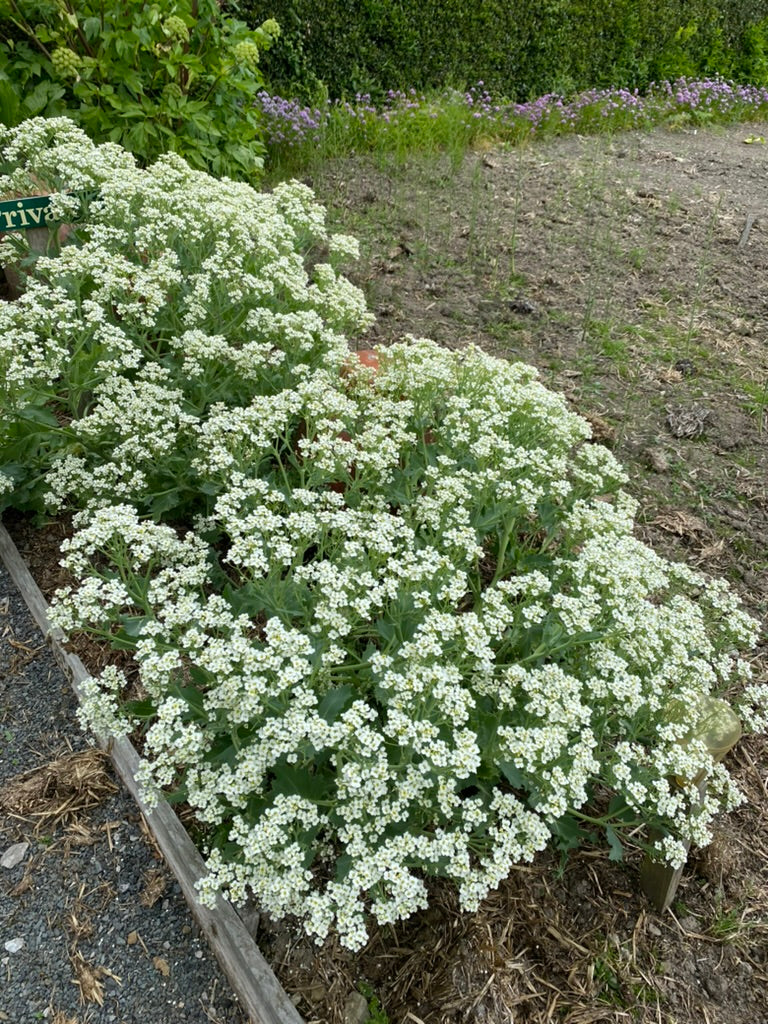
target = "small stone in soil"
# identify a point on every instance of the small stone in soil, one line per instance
(688, 421)
(317, 993)
(251, 918)
(656, 459)
(522, 305)
(685, 367)
(14, 855)
(716, 986)
(355, 1009)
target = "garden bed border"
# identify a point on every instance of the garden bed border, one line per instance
(253, 982)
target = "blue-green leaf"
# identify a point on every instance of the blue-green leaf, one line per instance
(617, 849)
(334, 702)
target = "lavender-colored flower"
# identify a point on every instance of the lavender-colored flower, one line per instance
(289, 125)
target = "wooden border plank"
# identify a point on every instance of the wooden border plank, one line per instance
(256, 987)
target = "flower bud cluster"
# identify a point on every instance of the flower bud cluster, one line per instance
(66, 63)
(176, 28)
(246, 52)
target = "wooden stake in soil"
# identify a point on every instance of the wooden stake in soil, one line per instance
(751, 218)
(249, 974)
(659, 881)
(719, 728)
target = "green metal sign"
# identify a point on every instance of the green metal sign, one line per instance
(31, 212)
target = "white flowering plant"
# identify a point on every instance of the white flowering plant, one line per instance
(394, 624)
(174, 294)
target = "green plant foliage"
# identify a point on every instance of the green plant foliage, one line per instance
(753, 56)
(167, 76)
(301, 137)
(520, 50)
(10, 108)
(376, 1012)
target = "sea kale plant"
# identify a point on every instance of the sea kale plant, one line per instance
(387, 615)
(179, 294)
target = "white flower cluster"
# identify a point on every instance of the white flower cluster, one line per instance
(175, 292)
(51, 154)
(431, 645)
(400, 625)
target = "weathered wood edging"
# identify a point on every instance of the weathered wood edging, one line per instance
(256, 987)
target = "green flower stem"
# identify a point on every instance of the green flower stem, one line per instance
(503, 551)
(607, 819)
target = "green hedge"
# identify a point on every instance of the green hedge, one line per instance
(519, 49)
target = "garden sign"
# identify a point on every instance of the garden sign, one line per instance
(31, 212)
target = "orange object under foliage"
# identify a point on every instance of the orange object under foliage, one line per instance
(367, 357)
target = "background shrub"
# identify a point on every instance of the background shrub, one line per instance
(172, 75)
(521, 50)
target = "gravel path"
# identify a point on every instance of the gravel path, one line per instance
(93, 928)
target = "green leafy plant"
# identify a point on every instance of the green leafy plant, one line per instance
(165, 76)
(753, 53)
(10, 106)
(376, 1012)
(678, 56)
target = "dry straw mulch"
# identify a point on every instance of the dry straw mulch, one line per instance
(56, 793)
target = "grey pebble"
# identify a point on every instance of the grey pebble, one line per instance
(14, 855)
(355, 1009)
(716, 986)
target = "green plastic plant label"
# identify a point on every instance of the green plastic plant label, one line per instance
(31, 212)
